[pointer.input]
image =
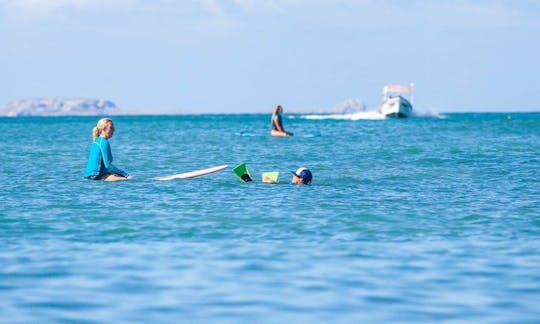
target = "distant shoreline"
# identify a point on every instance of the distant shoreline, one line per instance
(248, 114)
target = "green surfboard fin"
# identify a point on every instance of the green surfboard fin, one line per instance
(242, 173)
(270, 176)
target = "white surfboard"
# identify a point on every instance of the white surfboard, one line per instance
(244, 134)
(193, 174)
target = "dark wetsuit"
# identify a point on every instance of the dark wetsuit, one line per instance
(279, 122)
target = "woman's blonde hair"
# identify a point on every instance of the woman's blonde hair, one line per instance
(100, 126)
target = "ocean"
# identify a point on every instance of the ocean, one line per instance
(425, 219)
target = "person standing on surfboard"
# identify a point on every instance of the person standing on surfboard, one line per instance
(99, 166)
(277, 123)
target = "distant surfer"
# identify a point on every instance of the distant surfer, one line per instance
(100, 159)
(277, 123)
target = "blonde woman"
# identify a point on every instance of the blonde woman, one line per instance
(277, 123)
(100, 165)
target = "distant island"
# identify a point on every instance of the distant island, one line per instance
(59, 107)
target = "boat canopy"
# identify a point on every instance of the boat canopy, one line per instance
(398, 89)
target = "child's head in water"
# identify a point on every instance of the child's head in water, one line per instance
(246, 177)
(302, 176)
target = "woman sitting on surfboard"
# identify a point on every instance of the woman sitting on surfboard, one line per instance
(277, 123)
(100, 159)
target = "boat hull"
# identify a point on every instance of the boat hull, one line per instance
(397, 107)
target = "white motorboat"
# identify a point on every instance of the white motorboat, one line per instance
(395, 104)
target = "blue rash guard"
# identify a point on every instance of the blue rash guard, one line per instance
(100, 160)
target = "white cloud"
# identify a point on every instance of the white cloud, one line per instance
(213, 7)
(55, 4)
(277, 6)
(356, 13)
(395, 12)
(31, 13)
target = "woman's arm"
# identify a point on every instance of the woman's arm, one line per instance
(277, 122)
(279, 125)
(108, 158)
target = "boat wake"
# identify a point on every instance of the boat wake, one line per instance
(369, 115)
(355, 109)
(361, 115)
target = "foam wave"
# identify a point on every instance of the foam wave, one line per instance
(427, 114)
(364, 115)
(355, 109)
(369, 115)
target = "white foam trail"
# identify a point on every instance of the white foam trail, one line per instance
(370, 115)
(427, 114)
(361, 115)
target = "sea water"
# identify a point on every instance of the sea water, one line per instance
(411, 220)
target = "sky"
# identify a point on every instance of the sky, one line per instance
(246, 56)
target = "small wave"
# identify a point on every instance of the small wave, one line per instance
(427, 114)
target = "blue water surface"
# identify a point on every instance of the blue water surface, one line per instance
(410, 220)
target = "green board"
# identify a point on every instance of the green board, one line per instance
(242, 173)
(270, 176)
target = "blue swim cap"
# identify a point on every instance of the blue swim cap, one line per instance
(304, 174)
